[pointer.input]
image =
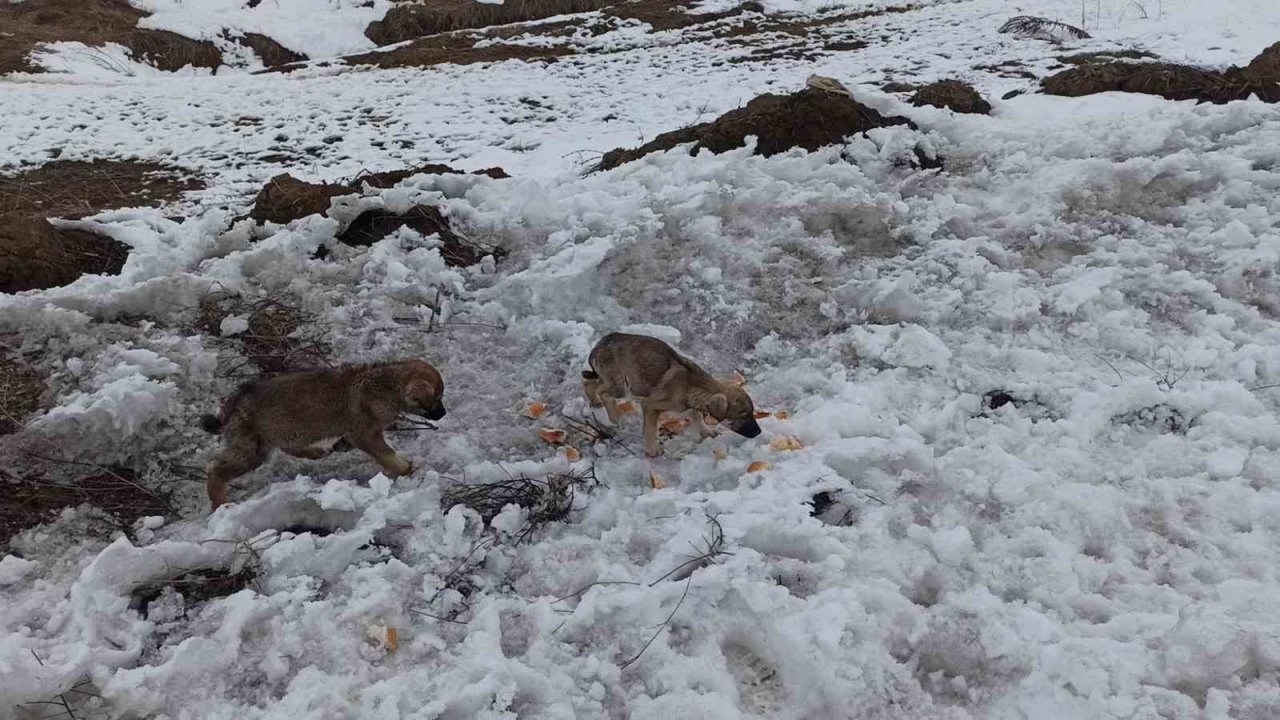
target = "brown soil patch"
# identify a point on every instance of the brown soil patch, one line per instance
(34, 255)
(20, 391)
(93, 22)
(389, 178)
(74, 189)
(808, 119)
(32, 500)
(455, 49)
(1167, 80)
(271, 53)
(953, 95)
(406, 22)
(282, 337)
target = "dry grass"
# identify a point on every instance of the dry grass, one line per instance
(95, 23)
(35, 255)
(20, 391)
(75, 189)
(31, 499)
(282, 337)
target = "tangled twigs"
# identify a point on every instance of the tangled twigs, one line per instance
(548, 499)
(594, 432)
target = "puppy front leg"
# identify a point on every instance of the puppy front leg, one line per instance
(651, 446)
(700, 425)
(610, 406)
(375, 445)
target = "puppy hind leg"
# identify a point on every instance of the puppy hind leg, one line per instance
(231, 463)
(651, 446)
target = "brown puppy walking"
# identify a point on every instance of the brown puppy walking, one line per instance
(304, 413)
(648, 370)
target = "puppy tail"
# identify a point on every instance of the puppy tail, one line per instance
(589, 375)
(210, 424)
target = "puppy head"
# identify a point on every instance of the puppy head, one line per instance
(733, 407)
(425, 391)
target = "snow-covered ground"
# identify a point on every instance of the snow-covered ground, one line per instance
(1106, 546)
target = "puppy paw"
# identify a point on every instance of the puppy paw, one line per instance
(398, 467)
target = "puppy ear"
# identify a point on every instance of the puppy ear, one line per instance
(736, 380)
(420, 389)
(717, 406)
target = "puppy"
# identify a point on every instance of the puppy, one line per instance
(648, 370)
(303, 413)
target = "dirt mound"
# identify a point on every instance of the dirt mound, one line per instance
(1260, 77)
(286, 198)
(1167, 80)
(808, 119)
(406, 22)
(271, 53)
(26, 25)
(20, 391)
(75, 189)
(1266, 66)
(35, 255)
(31, 500)
(953, 95)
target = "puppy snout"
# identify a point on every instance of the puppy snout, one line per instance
(747, 428)
(436, 412)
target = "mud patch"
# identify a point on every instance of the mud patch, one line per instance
(271, 53)
(75, 189)
(27, 25)
(1104, 56)
(456, 49)
(809, 119)
(373, 225)
(952, 95)
(34, 255)
(32, 500)
(20, 391)
(172, 599)
(406, 22)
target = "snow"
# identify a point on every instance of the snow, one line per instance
(1104, 545)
